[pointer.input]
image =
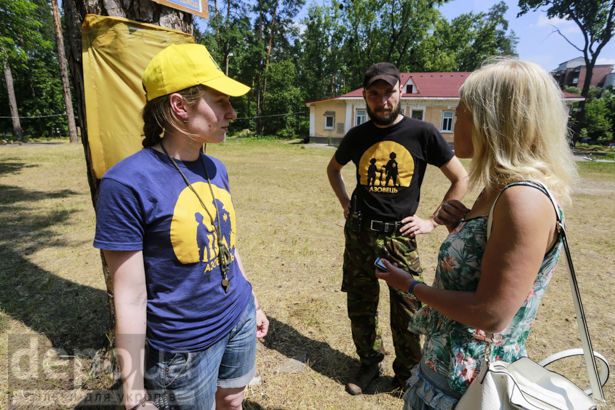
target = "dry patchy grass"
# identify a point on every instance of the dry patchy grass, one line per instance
(291, 241)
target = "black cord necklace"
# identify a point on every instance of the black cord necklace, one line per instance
(224, 255)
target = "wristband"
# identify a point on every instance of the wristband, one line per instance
(141, 403)
(413, 285)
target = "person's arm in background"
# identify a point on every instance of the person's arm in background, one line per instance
(130, 302)
(523, 231)
(455, 172)
(334, 172)
(262, 323)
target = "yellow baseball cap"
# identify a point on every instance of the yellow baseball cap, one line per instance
(181, 66)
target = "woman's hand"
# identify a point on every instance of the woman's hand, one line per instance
(395, 277)
(262, 324)
(143, 404)
(450, 213)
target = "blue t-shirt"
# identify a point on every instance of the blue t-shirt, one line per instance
(144, 204)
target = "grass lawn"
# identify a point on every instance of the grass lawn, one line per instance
(53, 304)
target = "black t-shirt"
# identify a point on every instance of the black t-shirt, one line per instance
(391, 163)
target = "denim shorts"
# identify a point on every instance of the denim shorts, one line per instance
(190, 380)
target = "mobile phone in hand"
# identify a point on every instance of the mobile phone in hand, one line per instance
(380, 265)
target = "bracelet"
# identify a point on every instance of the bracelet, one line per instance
(141, 403)
(413, 285)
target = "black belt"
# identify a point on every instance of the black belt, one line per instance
(382, 226)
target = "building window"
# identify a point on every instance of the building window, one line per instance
(417, 114)
(410, 87)
(329, 120)
(447, 121)
(361, 117)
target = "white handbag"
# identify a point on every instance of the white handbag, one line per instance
(525, 384)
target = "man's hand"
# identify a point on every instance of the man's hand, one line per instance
(346, 207)
(414, 225)
(450, 213)
(262, 324)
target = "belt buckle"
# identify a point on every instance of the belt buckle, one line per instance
(375, 226)
(389, 227)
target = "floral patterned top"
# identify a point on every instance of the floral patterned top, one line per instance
(454, 350)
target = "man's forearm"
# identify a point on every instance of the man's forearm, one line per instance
(337, 184)
(457, 190)
(339, 188)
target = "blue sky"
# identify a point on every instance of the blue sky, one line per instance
(537, 40)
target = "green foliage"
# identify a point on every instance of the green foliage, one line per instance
(598, 124)
(468, 40)
(287, 64)
(384, 30)
(321, 65)
(572, 90)
(27, 45)
(283, 97)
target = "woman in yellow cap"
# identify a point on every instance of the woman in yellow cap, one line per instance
(187, 319)
(495, 265)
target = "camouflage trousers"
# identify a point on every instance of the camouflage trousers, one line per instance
(363, 290)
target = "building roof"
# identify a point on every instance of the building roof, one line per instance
(428, 85)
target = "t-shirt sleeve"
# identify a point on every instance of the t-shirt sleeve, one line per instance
(119, 218)
(343, 155)
(439, 151)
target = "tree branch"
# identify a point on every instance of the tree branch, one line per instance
(557, 30)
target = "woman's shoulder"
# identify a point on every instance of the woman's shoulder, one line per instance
(140, 163)
(524, 207)
(524, 197)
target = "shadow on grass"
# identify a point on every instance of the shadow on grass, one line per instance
(73, 316)
(321, 357)
(7, 166)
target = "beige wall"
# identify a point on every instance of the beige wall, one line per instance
(339, 108)
(432, 113)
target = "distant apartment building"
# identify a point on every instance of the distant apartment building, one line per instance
(572, 73)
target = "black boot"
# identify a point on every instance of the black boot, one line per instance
(363, 378)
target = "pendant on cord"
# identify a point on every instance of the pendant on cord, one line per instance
(224, 258)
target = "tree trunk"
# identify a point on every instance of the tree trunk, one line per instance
(10, 89)
(579, 117)
(68, 100)
(137, 10)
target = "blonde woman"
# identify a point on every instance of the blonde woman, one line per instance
(511, 120)
(187, 319)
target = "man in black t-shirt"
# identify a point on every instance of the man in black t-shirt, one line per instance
(380, 217)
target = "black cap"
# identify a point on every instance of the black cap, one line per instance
(381, 71)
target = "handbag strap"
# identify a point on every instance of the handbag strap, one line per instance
(589, 358)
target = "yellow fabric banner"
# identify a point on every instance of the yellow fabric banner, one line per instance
(115, 53)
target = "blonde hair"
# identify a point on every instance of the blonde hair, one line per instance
(519, 127)
(158, 115)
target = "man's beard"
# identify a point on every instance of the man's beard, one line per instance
(386, 118)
